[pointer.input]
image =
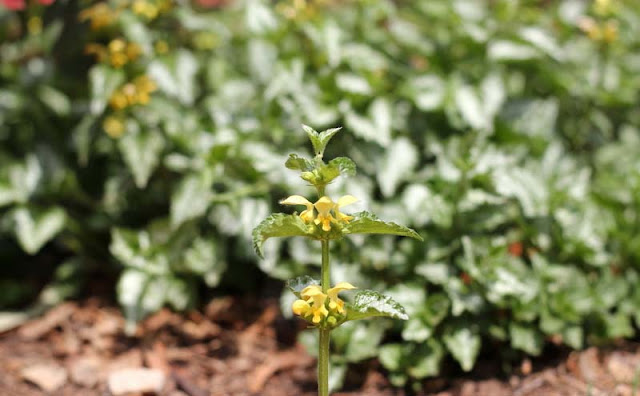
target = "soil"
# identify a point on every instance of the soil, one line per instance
(233, 347)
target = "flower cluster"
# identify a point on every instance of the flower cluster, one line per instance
(604, 32)
(99, 15)
(137, 92)
(118, 53)
(102, 14)
(316, 306)
(324, 206)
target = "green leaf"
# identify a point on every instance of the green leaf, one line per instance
(526, 338)
(299, 163)
(363, 341)
(320, 140)
(368, 304)
(141, 152)
(297, 285)
(203, 258)
(103, 80)
(278, 225)
(427, 359)
(191, 198)
(464, 345)
(367, 223)
(345, 165)
(391, 356)
(35, 228)
(398, 163)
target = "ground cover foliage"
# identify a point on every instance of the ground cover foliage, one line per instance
(142, 141)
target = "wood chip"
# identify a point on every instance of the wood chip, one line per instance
(136, 380)
(47, 376)
(39, 327)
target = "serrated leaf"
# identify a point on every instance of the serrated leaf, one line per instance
(34, 229)
(369, 304)
(297, 285)
(345, 165)
(320, 140)
(367, 223)
(464, 345)
(278, 225)
(296, 162)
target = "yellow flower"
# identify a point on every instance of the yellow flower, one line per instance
(335, 303)
(145, 8)
(118, 101)
(307, 214)
(161, 47)
(100, 15)
(300, 307)
(610, 31)
(113, 126)
(344, 201)
(34, 25)
(313, 295)
(324, 206)
(603, 7)
(117, 45)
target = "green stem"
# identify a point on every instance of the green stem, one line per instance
(326, 274)
(323, 362)
(325, 334)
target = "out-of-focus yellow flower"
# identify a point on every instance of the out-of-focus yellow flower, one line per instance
(118, 101)
(335, 303)
(603, 7)
(145, 84)
(145, 8)
(34, 25)
(307, 214)
(137, 92)
(113, 126)
(161, 47)
(100, 15)
(602, 32)
(117, 45)
(610, 31)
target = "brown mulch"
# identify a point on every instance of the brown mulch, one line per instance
(236, 348)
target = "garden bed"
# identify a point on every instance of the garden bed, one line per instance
(235, 347)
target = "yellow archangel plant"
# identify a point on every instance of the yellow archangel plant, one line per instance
(318, 303)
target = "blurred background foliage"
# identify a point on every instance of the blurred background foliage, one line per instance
(142, 140)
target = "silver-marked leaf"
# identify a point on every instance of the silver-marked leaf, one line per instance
(34, 229)
(367, 223)
(141, 152)
(346, 166)
(297, 285)
(369, 304)
(464, 345)
(278, 225)
(103, 80)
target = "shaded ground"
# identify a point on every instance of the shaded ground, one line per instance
(243, 351)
